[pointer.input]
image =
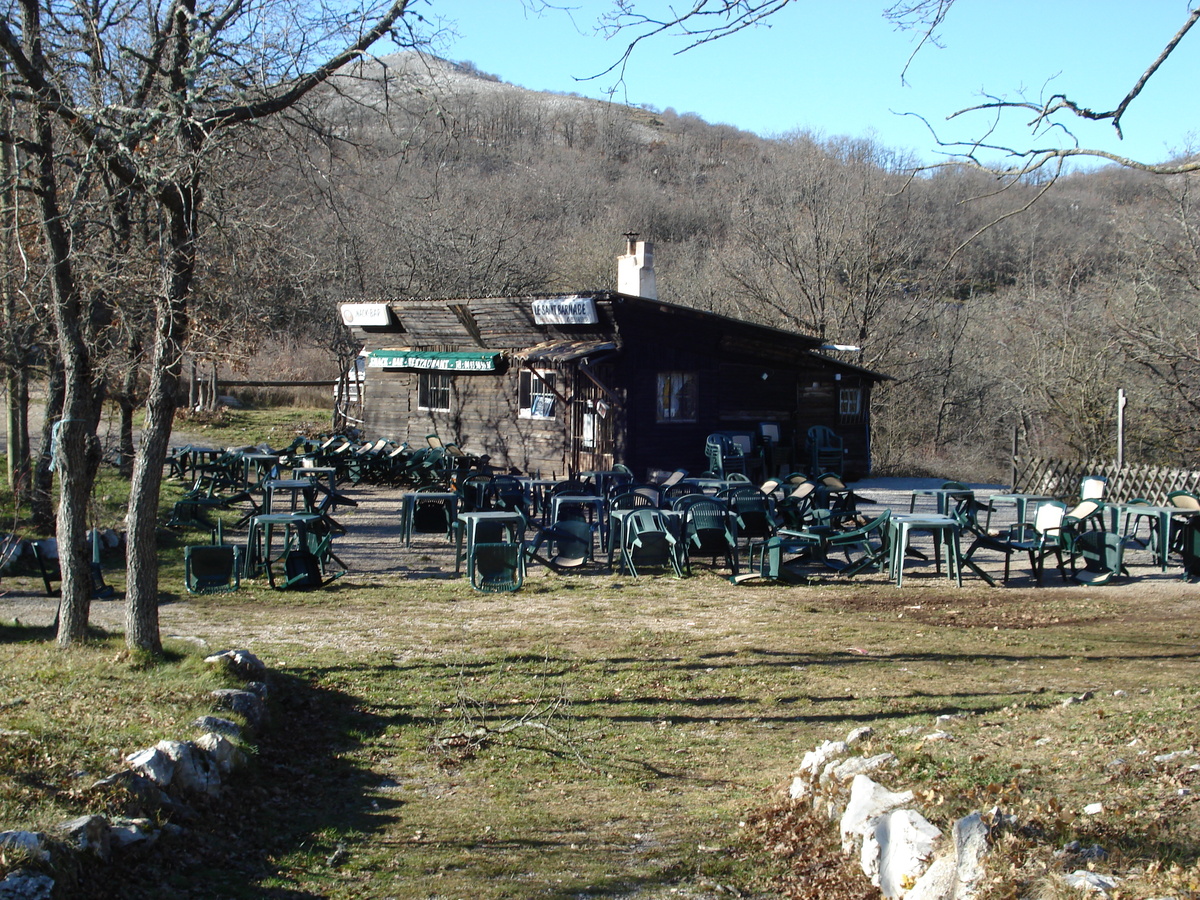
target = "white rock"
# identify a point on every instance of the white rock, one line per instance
(970, 847)
(1171, 757)
(218, 725)
(152, 763)
(27, 885)
(938, 881)
(868, 801)
(858, 765)
(815, 760)
(937, 736)
(128, 834)
(242, 663)
(858, 735)
(228, 756)
(88, 833)
(896, 850)
(1090, 881)
(30, 842)
(194, 770)
(1093, 809)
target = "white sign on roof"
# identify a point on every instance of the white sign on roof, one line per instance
(565, 311)
(365, 314)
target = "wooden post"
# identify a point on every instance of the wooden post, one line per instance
(1016, 437)
(1121, 401)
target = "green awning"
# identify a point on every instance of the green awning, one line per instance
(433, 359)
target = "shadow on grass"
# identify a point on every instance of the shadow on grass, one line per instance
(276, 833)
(302, 790)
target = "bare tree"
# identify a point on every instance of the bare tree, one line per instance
(147, 99)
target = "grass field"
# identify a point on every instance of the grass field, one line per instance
(602, 736)
(596, 737)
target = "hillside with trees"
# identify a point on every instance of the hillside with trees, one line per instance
(995, 304)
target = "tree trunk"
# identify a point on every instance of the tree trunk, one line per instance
(75, 449)
(127, 404)
(42, 493)
(170, 325)
(16, 379)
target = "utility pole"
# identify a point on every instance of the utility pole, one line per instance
(1121, 401)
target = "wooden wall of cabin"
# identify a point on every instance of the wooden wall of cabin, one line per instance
(733, 393)
(484, 419)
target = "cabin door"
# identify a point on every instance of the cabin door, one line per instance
(591, 428)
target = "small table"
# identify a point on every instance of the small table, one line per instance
(257, 467)
(811, 544)
(603, 479)
(945, 531)
(196, 458)
(537, 491)
(1162, 514)
(941, 495)
(300, 491)
(471, 523)
(710, 485)
(328, 474)
(294, 527)
(408, 510)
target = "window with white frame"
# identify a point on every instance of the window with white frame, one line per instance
(850, 404)
(536, 393)
(433, 391)
(677, 396)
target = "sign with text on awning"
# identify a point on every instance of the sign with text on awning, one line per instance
(433, 360)
(565, 311)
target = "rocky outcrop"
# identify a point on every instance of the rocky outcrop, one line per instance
(899, 850)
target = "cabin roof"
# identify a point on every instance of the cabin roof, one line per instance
(508, 324)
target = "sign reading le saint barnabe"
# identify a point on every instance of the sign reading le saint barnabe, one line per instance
(565, 311)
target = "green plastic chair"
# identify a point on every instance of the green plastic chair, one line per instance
(869, 541)
(570, 544)
(1189, 548)
(1103, 556)
(709, 531)
(647, 541)
(498, 567)
(212, 568)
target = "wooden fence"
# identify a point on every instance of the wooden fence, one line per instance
(1060, 478)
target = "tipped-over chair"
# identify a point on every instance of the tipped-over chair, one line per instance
(498, 567)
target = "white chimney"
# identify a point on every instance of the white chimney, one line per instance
(635, 270)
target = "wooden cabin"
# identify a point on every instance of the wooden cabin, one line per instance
(563, 383)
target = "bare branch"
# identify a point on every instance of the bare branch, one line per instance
(928, 13)
(294, 92)
(728, 16)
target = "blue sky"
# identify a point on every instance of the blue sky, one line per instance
(834, 66)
